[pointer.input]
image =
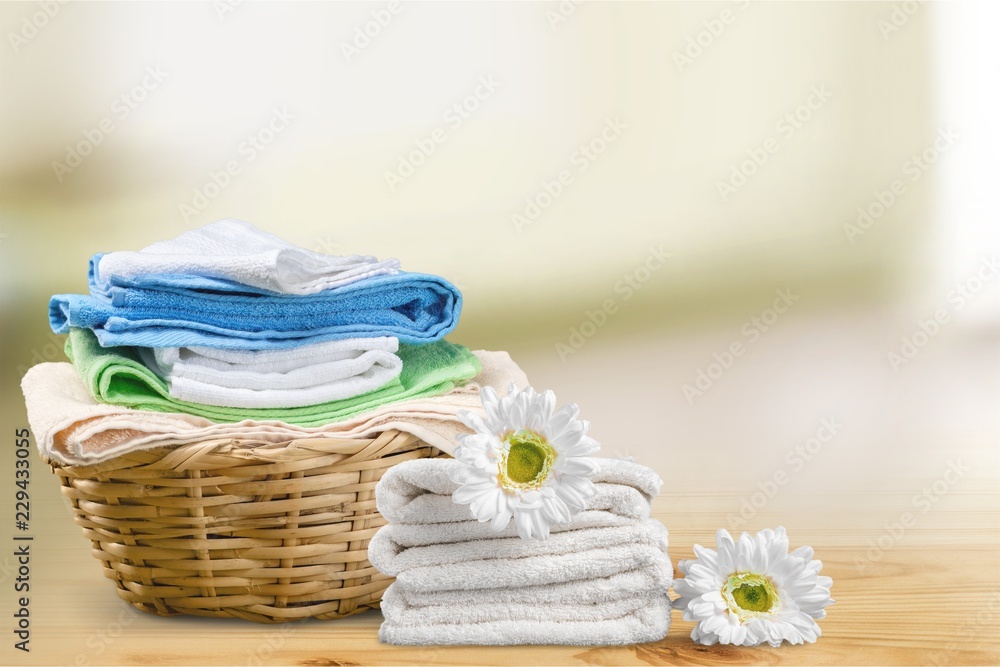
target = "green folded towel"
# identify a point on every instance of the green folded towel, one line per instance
(115, 375)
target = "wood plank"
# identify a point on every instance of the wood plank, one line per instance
(932, 596)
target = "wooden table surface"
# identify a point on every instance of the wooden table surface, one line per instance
(923, 593)
(928, 595)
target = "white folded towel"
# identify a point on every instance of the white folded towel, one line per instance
(237, 251)
(70, 427)
(420, 491)
(649, 623)
(600, 579)
(405, 535)
(480, 611)
(440, 555)
(569, 560)
(306, 375)
(628, 584)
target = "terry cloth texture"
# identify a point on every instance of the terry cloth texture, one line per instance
(419, 492)
(600, 579)
(186, 310)
(306, 375)
(72, 428)
(116, 375)
(581, 625)
(237, 251)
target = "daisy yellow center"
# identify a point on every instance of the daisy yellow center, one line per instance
(752, 598)
(750, 595)
(526, 461)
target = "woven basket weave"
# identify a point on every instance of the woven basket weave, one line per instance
(232, 528)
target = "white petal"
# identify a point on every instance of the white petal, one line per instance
(704, 638)
(484, 506)
(502, 518)
(522, 521)
(687, 588)
(709, 556)
(726, 550)
(701, 609)
(563, 418)
(702, 572)
(542, 525)
(744, 549)
(575, 465)
(805, 553)
(492, 408)
(556, 511)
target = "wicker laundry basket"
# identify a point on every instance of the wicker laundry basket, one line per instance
(232, 528)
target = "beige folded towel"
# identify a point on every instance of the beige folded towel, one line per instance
(72, 428)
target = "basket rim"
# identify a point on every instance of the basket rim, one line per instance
(247, 450)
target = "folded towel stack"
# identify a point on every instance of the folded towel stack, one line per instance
(231, 324)
(71, 427)
(229, 285)
(600, 579)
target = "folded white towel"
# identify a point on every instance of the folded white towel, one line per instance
(285, 378)
(420, 491)
(628, 584)
(405, 535)
(649, 623)
(484, 609)
(237, 251)
(600, 579)
(512, 562)
(577, 564)
(70, 427)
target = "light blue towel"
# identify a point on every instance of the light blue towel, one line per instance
(163, 310)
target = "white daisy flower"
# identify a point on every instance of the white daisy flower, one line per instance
(525, 461)
(753, 591)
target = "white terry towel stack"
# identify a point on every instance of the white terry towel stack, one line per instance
(601, 579)
(283, 378)
(236, 251)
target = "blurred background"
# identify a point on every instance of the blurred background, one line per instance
(625, 193)
(756, 242)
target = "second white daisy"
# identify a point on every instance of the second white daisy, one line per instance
(525, 461)
(753, 591)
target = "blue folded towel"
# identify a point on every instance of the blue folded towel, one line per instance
(166, 310)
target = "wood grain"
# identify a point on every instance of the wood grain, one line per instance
(933, 597)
